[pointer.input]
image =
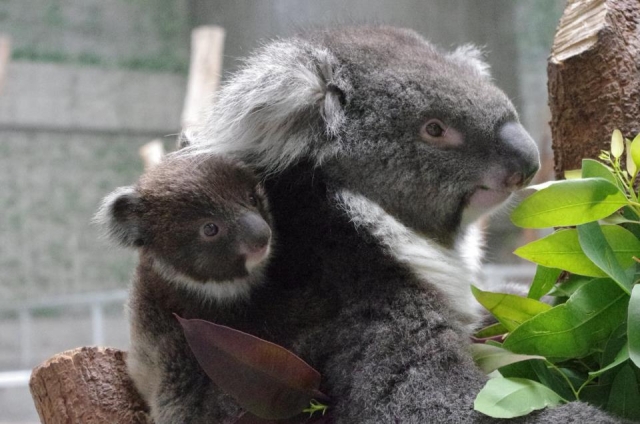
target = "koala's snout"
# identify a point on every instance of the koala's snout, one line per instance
(520, 153)
(254, 237)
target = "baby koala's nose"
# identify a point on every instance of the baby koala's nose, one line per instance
(254, 237)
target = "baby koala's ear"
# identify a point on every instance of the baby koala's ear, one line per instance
(120, 217)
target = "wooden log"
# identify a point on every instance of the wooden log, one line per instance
(594, 78)
(87, 385)
(5, 57)
(207, 46)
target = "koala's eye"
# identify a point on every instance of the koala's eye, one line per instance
(439, 134)
(434, 129)
(253, 200)
(210, 229)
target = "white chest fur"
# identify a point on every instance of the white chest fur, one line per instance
(451, 271)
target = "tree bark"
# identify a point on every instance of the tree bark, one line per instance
(594, 78)
(87, 385)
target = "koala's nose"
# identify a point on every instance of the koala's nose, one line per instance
(519, 153)
(254, 234)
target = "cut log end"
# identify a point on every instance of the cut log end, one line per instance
(87, 385)
(594, 83)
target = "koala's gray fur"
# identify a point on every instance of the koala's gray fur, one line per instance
(373, 210)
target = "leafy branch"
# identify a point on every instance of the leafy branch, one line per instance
(587, 345)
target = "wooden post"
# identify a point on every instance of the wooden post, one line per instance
(5, 56)
(87, 385)
(207, 46)
(594, 78)
(91, 385)
(152, 153)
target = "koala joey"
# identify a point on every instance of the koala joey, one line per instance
(378, 152)
(203, 232)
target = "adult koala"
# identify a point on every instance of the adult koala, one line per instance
(378, 152)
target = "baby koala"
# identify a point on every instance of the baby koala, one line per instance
(203, 232)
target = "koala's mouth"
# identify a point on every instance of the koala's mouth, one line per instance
(486, 197)
(256, 258)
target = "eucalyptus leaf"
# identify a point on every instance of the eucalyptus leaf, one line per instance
(612, 349)
(575, 328)
(572, 174)
(624, 399)
(570, 286)
(490, 358)
(569, 202)
(597, 248)
(563, 250)
(553, 379)
(617, 144)
(594, 169)
(264, 378)
(620, 358)
(514, 397)
(635, 151)
(510, 310)
(596, 394)
(633, 325)
(491, 331)
(543, 281)
(632, 169)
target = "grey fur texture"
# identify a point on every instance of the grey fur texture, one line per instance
(373, 209)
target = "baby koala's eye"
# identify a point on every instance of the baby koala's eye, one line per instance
(253, 200)
(210, 229)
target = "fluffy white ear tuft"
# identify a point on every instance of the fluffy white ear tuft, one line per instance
(471, 56)
(119, 217)
(284, 105)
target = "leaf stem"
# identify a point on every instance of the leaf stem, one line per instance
(552, 366)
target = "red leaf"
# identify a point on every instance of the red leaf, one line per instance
(264, 378)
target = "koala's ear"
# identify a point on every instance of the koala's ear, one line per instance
(471, 56)
(286, 103)
(119, 217)
(184, 140)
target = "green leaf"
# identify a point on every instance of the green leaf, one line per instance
(624, 399)
(632, 169)
(596, 394)
(514, 397)
(573, 174)
(553, 379)
(569, 287)
(617, 144)
(612, 348)
(569, 202)
(621, 357)
(543, 281)
(490, 358)
(635, 151)
(594, 169)
(491, 331)
(633, 325)
(594, 244)
(562, 250)
(509, 309)
(575, 328)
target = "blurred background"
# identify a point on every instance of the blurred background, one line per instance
(91, 81)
